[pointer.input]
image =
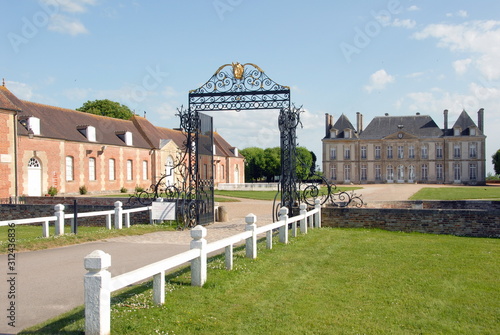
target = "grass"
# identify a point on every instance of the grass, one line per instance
(330, 281)
(29, 237)
(458, 193)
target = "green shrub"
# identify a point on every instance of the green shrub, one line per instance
(83, 189)
(52, 191)
(139, 189)
(123, 190)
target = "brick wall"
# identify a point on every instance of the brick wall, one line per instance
(461, 222)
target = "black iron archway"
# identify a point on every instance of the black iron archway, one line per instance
(240, 87)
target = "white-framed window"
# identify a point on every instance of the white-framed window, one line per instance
(411, 151)
(472, 131)
(347, 172)
(425, 152)
(401, 172)
(401, 151)
(70, 172)
(378, 172)
(439, 171)
(333, 153)
(411, 173)
(390, 172)
(333, 172)
(425, 172)
(91, 168)
(456, 151)
(472, 171)
(457, 172)
(347, 152)
(377, 152)
(363, 172)
(439, 151)
(111, 169)
(144, 170)
(363, 152)
(389, 151)
(472, 150)
(130, 169)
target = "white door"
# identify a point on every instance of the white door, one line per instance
(34, 178)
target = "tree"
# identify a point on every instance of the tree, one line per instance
(304, 163)
(107, 108)
(496, 161)
(272, 166)
(254, 163)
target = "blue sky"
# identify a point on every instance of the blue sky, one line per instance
(398, 57)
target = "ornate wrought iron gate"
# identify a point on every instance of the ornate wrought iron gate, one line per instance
(246, 87)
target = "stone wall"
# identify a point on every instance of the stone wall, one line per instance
(452, 218)
(44, 206)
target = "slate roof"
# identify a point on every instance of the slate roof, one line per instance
(417, 125)
(342, 124)
(64, 124)
(465, 122)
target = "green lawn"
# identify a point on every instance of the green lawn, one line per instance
(458, 193)
(330, 281)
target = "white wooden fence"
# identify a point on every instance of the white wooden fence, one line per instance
(99, 285)
(59, 218)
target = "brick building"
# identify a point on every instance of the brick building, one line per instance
(405, 149)
(43, 146)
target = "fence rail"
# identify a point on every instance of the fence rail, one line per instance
(99, 285)
(59, 217)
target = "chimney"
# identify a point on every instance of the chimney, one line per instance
(328, 125)
(445, 113)
(480, 119)
(359, 121)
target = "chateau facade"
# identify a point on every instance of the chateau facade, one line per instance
(405, 149)
(44, 146)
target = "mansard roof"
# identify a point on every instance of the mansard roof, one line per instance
(417, 125)
(342, 124)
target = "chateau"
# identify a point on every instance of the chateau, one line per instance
(44, 146)
(405, 149)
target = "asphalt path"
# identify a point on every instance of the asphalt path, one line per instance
(50, 282)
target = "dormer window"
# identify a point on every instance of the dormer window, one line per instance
(88, 131)
(32, 124)
(347, 133)
(125, 136)
(457, 131)
(334, 133)
(472, 131)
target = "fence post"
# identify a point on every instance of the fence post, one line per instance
(303, 222)
(228, 255)
(97, 293)
(127, 220)
(45, 228)
(59, 219)
(159, 288)
(199, 264)
(118, 215)
(317, 216)
(283, 230)
(251, 242)
(269, 239)
(108, 221)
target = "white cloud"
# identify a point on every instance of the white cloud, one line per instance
(66, 25)
(407, 23)
(460, 13)
(413, 8)
(379, 80)
(64, 19)
(462, 65)
(21, 90)
(479, 39)
(415, 75)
